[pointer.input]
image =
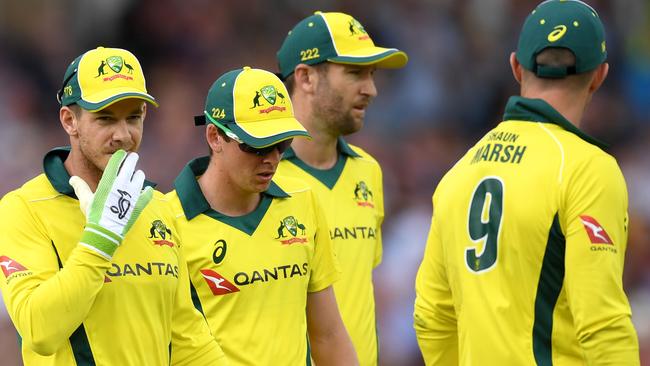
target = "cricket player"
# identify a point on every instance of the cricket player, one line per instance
(327, 62)
(260, 258)
(99, 278)
(524, 260)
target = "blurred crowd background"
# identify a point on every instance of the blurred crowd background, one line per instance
(426, 115)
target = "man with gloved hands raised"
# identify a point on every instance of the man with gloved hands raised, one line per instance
(93, 271)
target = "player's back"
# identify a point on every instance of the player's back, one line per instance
(499, 218)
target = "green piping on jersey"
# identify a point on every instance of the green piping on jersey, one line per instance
(194, 203)
(83, 355)
(308, 361)
(57, 174)
(548, 290)
(537, 110)
(330, 176)
(196, 300)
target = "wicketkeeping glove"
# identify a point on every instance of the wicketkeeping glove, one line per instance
(116, 204)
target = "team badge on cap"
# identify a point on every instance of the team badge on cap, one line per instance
(334, 37)
(251, 106)
(101, 77)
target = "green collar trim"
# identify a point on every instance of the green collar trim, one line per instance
(55, 171)
(58, 176)
(194, 203)
(537, 110)
(330, 176)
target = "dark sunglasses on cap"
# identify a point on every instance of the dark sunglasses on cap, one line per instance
(282, 146)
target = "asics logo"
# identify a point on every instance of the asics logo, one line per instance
(557, 33)
(123, 204)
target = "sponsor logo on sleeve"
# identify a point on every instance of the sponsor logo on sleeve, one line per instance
(10, 266)
(12, 269)
(597, 234)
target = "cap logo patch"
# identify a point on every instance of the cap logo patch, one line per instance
(357, 29)
(557, 33)
(271, 95)
(115, 63)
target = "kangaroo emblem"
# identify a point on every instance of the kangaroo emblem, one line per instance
(100, 69)
(281, 231)
(256, 100)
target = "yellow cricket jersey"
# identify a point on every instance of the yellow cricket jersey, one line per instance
(524, 259)
(72, 306)
(352, 197)
(251, 274)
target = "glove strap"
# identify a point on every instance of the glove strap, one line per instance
(100, 240)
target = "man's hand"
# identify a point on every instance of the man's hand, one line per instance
(115, 206)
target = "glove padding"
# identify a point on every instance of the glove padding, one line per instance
(116, 204)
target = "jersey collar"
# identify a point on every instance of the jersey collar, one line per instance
(537, 110)
(192, 198)
(58, 176)
(328, 177)
(341, 145)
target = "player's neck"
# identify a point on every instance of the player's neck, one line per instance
(77, 164)
(570, 106)
(224, 196)
(320, 152)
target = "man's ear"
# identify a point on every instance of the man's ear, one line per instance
(599, 77)
(214, 139)
(516, 68)
(68, 120)
(305, 78)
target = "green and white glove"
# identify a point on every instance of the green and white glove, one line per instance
(115, 206)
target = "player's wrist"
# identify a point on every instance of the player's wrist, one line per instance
(102, 241)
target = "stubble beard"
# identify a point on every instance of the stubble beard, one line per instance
(331, 111)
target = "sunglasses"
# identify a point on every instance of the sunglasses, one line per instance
(281, 146)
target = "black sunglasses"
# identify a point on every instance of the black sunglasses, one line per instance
(282, 146)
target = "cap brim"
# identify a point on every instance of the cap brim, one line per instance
(388, 58)
(264, 133)
(100, 101)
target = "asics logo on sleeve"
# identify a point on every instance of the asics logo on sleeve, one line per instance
(595, 231)
(123, 204)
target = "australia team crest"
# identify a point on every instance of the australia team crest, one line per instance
(295, 230)
(161, 234)
(363, 195)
